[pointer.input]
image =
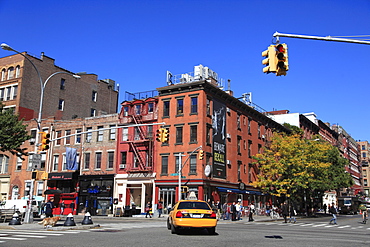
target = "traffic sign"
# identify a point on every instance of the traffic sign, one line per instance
(176, 174)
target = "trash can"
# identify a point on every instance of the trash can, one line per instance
(127, 212)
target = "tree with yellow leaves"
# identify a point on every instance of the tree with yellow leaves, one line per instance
(292, 166)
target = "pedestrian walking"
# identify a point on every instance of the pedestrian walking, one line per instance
(148, 208)
(292, 213)
(62, 206)
(160, 208)
(251, 212)
(219, 209)
(333, 210)
(49, 208)
(284, 211)
(238, 208)
(233, 211)
(224, 211)
(325, 207)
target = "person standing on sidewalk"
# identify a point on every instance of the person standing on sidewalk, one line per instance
(292, 213)
(251, 212)
(148, 208)
(333, 210)
(284, 211)
(49, 208)
(233, 211)
(160, 208)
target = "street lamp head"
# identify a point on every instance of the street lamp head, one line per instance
(6, 47)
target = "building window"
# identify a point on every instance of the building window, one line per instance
(92, 112)
(249, 125)
(164, 165)
(250, 149)
(194, 105)
(61, 105)
(193, 164)
(19, 164)
(179, 130)
(208, 135)
(125, 111)
(2, 93)
(259, 131)
(238, 121)
(149, 131)
(68, 138)
(125, 134)
(64, 165)
(17, 71)
(110, 159)
(15, 92)
(59, 134)
(94, 96)
(363, 155)
(150, 107)
(39, 188)
(8, 93)
(100, 134)
(193, 133)
(55, 162)
(239, 140)
(180, 106)
(208, 107)
(166, 108)
(78, 137)
(4, 163)
(27, 188)
(87, 161)
(88, 134)
(10, 73)
(3, 75)
(123, 158)
(365, 182)
(112, 132)
(98, 156)
(137, 109)
(62, 84)
(239, 170)
(137, 134)
(363, 147)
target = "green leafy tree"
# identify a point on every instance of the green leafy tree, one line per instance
(12, 133)
(292, 165)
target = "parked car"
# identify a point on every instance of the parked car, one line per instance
(20, 206)
(195, 214)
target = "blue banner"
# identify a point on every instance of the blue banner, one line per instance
(71, 159)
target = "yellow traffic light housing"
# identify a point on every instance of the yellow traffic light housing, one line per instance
(282, 59)
(165, 135)
(159, 135)
(270, 60)
(45, 140)
(201, 154)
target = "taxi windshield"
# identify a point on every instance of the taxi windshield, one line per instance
(193, 205)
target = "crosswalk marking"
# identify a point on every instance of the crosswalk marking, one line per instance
(29, 236)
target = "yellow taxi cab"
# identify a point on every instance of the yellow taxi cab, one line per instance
(196, 214)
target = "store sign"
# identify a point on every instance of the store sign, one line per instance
(60, 176)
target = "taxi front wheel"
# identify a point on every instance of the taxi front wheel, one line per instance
(168, 224)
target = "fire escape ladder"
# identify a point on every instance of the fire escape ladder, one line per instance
(137, 154)
(137, 120)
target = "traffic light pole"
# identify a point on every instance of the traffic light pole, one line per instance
(277, 35)
(182, 165)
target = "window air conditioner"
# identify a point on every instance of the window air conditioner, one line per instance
(122, 166)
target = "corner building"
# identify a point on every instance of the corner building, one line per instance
(199, 113)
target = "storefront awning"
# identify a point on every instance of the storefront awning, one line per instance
(230, 190)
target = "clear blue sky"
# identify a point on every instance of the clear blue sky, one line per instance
(136, 42)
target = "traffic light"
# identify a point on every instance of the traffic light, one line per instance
(282, 59)
(184, 189)
(270, 60)
(165, 135)
(201, 154)
(159, 135)
(45, 140)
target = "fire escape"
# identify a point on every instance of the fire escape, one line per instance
(142, 147)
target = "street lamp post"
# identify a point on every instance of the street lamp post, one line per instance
(29, 216)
